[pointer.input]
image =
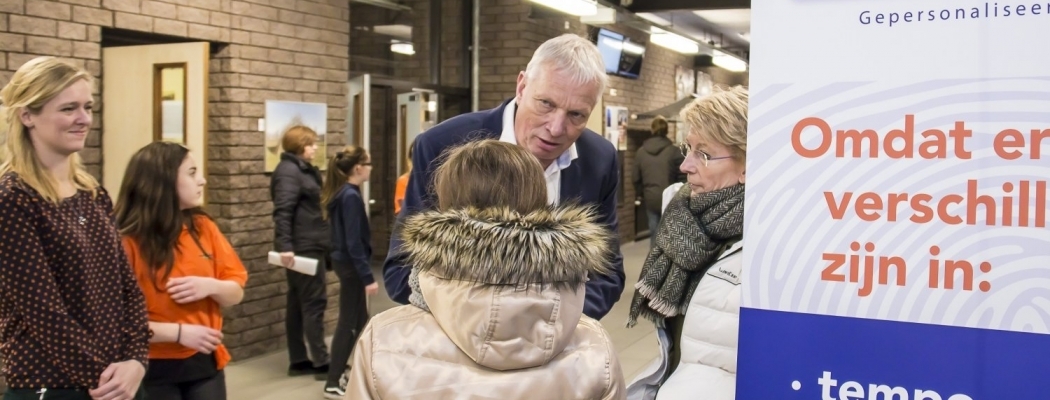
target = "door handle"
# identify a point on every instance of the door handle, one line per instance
(637, 203)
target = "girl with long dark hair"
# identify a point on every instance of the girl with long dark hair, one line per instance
(344, 208)
(186, 269)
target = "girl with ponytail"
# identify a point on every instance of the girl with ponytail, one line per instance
(344, 209)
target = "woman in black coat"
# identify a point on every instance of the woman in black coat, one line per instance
(300, 231)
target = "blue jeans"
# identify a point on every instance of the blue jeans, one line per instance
(654, 223)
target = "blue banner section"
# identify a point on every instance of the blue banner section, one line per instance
(805, 356)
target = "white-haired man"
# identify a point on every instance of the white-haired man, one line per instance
(547, 116)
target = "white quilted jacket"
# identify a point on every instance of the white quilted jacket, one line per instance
(707, 370)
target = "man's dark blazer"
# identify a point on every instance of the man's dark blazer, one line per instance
(591, 179)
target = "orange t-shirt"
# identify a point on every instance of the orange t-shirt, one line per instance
(189, 261)
(399, 192)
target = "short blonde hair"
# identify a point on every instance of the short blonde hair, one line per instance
(490, 173)
(34, 84)
(720, 117)
(297, 138)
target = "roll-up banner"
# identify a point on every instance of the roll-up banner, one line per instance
(896, 238)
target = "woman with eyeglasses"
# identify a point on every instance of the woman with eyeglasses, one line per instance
(344, 208)
(690, 282)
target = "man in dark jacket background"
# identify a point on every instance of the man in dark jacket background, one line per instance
(655, 168)
(554, 98)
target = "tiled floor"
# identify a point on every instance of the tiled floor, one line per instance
(264, 378)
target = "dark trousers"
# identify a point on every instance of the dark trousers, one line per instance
(353, 316)
(213, 388)
(654, 224)
(58, 394)
(304, 316)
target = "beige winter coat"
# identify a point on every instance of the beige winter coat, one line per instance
(505, 294)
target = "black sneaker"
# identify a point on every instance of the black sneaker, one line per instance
(338, 392)
(334, 393)
(301, 368)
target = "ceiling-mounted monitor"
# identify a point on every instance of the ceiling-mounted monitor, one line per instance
(621, 56)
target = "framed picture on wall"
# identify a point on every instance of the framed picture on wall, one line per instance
(684, 82)
(704, 83)
(615, 129)
(282, 115)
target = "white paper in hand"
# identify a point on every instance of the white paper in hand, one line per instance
(302, 265)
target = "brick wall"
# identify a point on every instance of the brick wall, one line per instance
(277, 50)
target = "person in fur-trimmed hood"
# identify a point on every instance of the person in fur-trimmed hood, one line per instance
(498, 293)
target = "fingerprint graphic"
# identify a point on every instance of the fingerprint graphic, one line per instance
(788, 225)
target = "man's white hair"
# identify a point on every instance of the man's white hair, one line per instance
(570, 54)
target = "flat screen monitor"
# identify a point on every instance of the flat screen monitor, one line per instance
(621, 56)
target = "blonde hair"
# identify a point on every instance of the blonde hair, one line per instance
(34, 84)
(490, 173)
(573, 55)
(297, 138)
(720, 117)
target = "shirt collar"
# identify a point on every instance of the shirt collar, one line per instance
(508, 136)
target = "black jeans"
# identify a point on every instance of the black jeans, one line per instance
(213, 388)
(304, 315)
(58, 394)
(353, 316)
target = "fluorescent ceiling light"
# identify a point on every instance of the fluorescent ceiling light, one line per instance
(728, 62)
(604, 16)
(633, 48)
(656, 19)
(385, 4)
(399, 31)
(402, 48)
(674, 42)
(578, 8)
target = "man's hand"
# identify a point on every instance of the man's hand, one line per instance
(200, 338)
(372, 289)
(190, 288)
(288, 259)
(120, 381)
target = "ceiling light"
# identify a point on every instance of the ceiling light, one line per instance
(385, 4)
(674, 42)
(728, 62)
(402, 48)
(632, 48)
(578, 8)
(656, 19)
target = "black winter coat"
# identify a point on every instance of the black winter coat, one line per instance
(296, 191)
(656, 166)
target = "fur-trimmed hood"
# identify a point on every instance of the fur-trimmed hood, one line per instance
(507, 288)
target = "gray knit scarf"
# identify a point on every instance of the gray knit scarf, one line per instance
(693, 233)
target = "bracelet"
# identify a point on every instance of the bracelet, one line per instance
(178, 337)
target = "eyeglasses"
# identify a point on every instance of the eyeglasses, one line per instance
(699, 154)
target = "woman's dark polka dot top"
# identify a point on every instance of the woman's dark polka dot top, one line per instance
(69, 304)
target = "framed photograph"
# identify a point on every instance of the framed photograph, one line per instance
(684, 82)
(704, 83)
(615, 129)
(282, 115)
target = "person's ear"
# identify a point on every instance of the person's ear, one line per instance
(26, 117)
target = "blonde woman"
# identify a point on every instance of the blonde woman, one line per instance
(72, 318)
(690, 283)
